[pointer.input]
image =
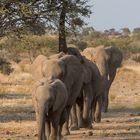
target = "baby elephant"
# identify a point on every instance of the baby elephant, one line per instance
(50, 98)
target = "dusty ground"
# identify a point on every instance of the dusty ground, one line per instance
(17, 120)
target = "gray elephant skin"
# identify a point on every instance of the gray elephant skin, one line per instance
(69, 69)
(50, 98)
(92, 91)
(108, 59)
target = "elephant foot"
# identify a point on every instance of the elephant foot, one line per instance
(60, 137)
(91, 127)
(97, 120)
(74, 127)
(85, 124)
(66, 132)
(105, 110)
(53, 138)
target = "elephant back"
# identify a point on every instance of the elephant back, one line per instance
(57, 56)
(36, 67)
(75, 52)
(88, 53)
(88, 71)
(53, 69)
(73, 71)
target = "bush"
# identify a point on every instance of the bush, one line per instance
(136, 58)
(5, 66)
(30, 46)
(81, 45)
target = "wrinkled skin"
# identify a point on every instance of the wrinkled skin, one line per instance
(36, 67)
(70, 70)
(49, 99)
(91, 94)
(71, 73)
(108, 60)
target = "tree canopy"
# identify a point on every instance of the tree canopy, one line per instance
(20, 16)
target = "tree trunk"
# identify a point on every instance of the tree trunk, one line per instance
(62, 30)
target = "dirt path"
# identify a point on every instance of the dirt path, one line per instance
(122, 122)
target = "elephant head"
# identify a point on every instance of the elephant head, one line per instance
(100, 57)
(115, 56)
(54, 69)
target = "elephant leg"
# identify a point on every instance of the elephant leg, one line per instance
(63, 119)
(87, 100)
(54, 130)
(79, 111)
(105, 101)
(97, 114)
(41, 125)
(54, 125)
(74, 120)
(65, 129)
(47, 129)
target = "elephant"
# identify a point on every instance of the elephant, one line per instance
(49, 99)
(69, 69)
(37, 66)
(108, 59)
(56, 56)
(91, 97)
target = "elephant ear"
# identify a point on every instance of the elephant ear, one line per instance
(63, 66)
(115, 56)
(60, 93)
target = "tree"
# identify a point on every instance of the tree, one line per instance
(69, 15)
(87, 30)
(125, 31)
(136, 30)
(136, 33)
(20, 16)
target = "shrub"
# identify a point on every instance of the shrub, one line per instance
(5, 66)
(81, 45)
(30, 46)
(136, 58)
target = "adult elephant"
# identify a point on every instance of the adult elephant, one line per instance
(91, 94)
(108, 60)
(70, 70)
(50, 98)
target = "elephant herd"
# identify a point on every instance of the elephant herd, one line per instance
(72, 86)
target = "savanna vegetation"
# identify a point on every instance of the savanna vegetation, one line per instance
(29, 46)
(32, 27)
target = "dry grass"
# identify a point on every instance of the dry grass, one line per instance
(17, 117)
